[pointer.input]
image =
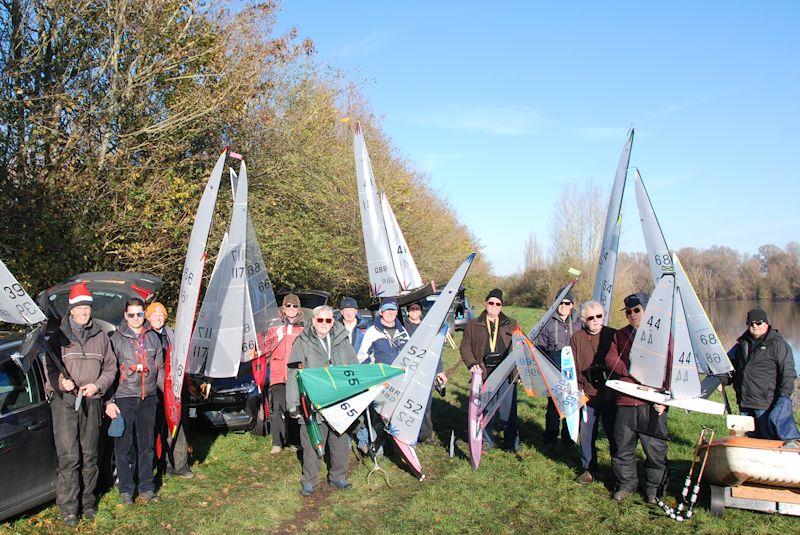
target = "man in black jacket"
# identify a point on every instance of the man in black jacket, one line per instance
(764, 379)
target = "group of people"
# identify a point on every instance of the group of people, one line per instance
(122, 376)
(763, 381)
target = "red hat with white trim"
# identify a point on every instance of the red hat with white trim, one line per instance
(79, 295)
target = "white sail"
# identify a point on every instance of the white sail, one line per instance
(657, 251)
(607, 263)
(713, 358)
(648, 357)
(382, 276)
(225, 341)
(684, 380)
(423, 344)
(207, 320)
(191, 278)
(341, 416)
(261, 309)
(16, 306)
(404, 264)
(407, 419)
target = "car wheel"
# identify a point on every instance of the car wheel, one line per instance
(260, 429)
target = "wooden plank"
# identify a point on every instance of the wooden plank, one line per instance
(773, 494)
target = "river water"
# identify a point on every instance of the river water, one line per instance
(729, 321)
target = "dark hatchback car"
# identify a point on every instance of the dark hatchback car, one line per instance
(27, 452)
(236, 404)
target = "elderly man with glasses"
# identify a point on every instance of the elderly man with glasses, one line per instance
(325, 342)
(636, 419)
(590, 346)
(556, 334)
(764, 379)
(486, 342)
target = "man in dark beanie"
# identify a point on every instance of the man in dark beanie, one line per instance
(486, 342)
(556, 334)
(352, 321)
(89, 360)
(764, 379)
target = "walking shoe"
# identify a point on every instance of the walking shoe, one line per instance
(126, 499)
(586, 477)
(341, 485)
(306, 490)
(89, 513)
(275, 450)
(651, 499)
(620, 495)
(149, 496)
(363, 447)
(186, 473)
(70, 519)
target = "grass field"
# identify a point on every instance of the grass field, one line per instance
(241, 488)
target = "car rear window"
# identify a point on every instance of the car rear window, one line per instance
(106, 305)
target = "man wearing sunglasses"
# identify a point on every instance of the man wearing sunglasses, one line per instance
(323, 343)
(636, 419)
(764, 379)
(590, 346)
(556, 334)
(486, 342)
(140, 359)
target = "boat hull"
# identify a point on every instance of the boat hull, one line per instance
(475, 437)
(647, 394)
(737, 460)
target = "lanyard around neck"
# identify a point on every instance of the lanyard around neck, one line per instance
(492, 337)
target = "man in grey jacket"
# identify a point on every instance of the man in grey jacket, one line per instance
(86, 353)
(140, 358)
(322, 343)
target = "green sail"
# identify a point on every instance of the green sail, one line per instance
(328, 385)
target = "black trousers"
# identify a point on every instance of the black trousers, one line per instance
(140, 419)
(640, 423)
(551, 423)
(76, 434)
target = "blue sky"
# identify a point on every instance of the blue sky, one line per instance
(500, 103)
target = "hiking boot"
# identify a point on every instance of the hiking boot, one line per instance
(89, 513)
(586, 477)
(126, 499)
(149, 497)
(791, 444)
(341, 485)
(275, 450)
(621, 495)
(363, 447)
(70, 519)
(306, 490)
(651, 498)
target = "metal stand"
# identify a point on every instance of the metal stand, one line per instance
(687, 502)
(374, 453)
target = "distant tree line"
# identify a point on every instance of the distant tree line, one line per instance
(717, 273)
(113, 113)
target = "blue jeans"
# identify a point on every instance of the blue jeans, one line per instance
(140, 422)
(776, 423)
(504, 419)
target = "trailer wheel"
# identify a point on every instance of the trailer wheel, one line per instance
(717, 505)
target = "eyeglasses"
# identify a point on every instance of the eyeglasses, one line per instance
(135, 314)
(323, 320)
(494, 303)
(290, 305)
(596, 316)
(566, 303)
(757, 322)
(634, 310)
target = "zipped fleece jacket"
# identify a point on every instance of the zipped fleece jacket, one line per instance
(87, 356)
(133, 351)
(377, 347)
(764, 369)
(308, 352)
